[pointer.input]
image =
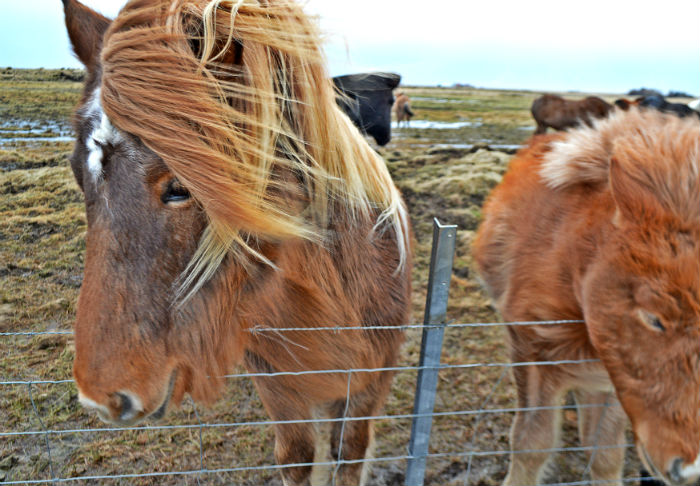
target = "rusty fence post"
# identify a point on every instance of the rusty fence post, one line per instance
(441, 258)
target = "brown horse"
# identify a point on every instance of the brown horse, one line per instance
(226, 193)
(603, 225)
(561, 114)
(625, 104)
(402, 109)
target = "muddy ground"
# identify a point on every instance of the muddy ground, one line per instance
(445, 165)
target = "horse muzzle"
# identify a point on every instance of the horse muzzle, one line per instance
(125, 408)
(678, 473)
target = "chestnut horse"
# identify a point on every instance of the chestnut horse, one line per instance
(402, 109)
(561, 114)
(227, 193)
(602, 225)
(624, 103)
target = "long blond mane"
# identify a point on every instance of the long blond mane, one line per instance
(235, 98)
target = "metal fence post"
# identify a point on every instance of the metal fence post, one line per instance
(441, 258)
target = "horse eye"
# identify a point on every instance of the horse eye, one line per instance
(651, 320)
(656, 322)
(175, 192)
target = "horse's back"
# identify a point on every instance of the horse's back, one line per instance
(554, 209)
(597, 107)
(544, 105)
(529, 236)
(552, 111)
(560, 113)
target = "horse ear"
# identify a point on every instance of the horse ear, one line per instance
(392, 80)
(86, 28)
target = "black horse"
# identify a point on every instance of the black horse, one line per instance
(367, 99)
(659, 103)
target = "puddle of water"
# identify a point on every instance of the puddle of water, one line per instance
(439, 100)
(445, 100)
(497, 146)
(31, 131)
(20, 131)
(8, 141)
(15, 128)
(429, 124)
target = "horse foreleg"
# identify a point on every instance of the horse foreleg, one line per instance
(357, 435)
(294, 443)
(533, 430)
(541, 128)
(357, 444)
(602, 425)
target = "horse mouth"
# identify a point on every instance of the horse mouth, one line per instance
(649, 464)
(160, 411)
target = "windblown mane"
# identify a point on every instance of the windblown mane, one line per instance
(662, 151)
(234, 96)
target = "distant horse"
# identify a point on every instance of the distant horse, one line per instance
(659, 103)
(402, 109)
(561, 114)
(624, 103)
(603, 225)
(367, 99)
(228, 197)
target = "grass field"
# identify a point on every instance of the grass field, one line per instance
(442, 172)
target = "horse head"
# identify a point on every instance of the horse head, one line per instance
(641, 296)
(367, 99)
(208, 136)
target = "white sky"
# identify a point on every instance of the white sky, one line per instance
(584, 45)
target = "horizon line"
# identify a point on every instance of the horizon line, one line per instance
(453, 85)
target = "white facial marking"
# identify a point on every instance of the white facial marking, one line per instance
(89, 403)
(691, 470)
(93, 107)
(104, 133)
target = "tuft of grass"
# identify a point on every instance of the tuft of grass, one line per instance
(30, 96)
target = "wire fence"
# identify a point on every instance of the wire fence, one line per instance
(470, 445)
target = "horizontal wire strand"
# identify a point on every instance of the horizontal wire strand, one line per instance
(255, 330)
(356, 370)
(342, 461)
(457, 413)
(261, 330)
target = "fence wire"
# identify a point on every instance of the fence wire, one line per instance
(469, 454)
(404, 327)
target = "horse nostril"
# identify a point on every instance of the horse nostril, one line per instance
(127, 408)
(679, 474)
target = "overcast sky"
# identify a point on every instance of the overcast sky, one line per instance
(591, 45)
